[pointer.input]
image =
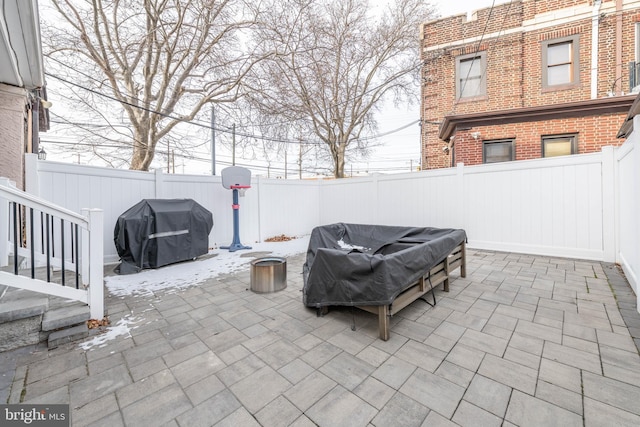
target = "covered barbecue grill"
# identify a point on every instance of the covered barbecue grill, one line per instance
(158, 232)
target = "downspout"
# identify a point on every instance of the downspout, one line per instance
(619, 46)
(35, 124)
(595, 22)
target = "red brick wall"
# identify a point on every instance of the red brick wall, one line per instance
(514, 71)
(592, 133)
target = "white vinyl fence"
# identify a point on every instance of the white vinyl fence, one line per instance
(582, 206)
(627, 231)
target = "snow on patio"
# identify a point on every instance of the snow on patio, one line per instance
(180, 276)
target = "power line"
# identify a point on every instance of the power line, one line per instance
(476, 50)
(207, 126)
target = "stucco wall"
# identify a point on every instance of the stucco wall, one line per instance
(12, 133)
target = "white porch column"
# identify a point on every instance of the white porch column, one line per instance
(96, 263)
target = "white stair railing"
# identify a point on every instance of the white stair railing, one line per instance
(48, 249)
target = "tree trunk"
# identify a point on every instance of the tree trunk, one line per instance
(338, 170)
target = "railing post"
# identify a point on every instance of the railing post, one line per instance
(4, 230)
(96, 263)
(83, 252)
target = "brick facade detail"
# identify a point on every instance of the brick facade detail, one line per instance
(12, 133)
(511, 36)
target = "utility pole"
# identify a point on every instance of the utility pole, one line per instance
(213, 141)
(285, 163)
(233, 143)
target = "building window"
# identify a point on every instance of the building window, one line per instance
(559, 145)
(471, 80)
(560, 62)
(502, 150)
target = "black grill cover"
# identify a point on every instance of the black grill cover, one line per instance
(157, 232)
(355, 264)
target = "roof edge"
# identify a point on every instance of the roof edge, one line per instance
(617, 104)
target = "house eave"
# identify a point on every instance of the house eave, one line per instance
(627, 126)
(21, 62)
(591, 107)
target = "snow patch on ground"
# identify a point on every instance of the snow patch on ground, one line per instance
(122, 328)
(182, 275)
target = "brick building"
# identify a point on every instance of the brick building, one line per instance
(527, 79)
(22, 110)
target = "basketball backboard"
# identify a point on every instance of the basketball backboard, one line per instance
(236, 176)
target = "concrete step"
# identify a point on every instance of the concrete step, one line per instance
(20, 318)
(28, 318)
(18, 304)
(63, 317)
(67, 335)
(21, 332)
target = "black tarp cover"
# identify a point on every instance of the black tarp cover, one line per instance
(356, 264)
(157, 232)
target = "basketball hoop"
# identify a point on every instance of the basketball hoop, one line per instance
(241, 189)
(238, 180)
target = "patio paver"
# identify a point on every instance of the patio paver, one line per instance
(521, 341)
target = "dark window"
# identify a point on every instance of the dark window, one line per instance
(502, 150)
(471, 74)
(560, 62)
(559, 145)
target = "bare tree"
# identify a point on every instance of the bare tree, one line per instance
(161, 60)
(335, 62)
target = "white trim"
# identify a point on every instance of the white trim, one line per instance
(541, 21)
(43, 206)
(553, 251)
(40, 286)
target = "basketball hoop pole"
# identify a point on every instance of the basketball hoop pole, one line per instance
(235, 244)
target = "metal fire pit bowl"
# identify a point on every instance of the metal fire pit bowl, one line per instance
(268, 274)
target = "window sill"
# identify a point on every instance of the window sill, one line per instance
(558, 88)
(471, 99)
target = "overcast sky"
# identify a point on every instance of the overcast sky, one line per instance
(396, 152)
